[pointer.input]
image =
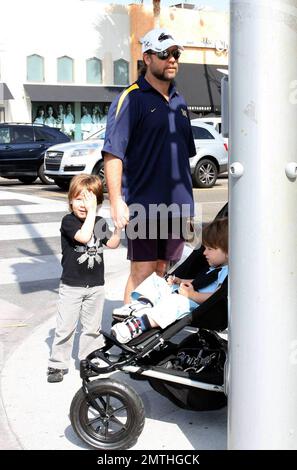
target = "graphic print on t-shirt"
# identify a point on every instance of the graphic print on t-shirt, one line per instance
(91, 254)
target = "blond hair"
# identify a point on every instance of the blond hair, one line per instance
(90, 183)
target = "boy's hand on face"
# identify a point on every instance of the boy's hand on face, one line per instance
(186, 289)
(90, 200)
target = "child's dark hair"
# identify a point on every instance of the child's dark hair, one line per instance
(90, 182)
(215, 234)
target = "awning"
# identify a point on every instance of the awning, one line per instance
(66, 93)
(5, 92)
(201, 85)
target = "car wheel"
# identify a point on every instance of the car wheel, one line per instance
(99, 170)
(45, 179)
(205, 174)
(27, 179)
(63, 184)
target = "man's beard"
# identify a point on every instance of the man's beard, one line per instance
(161, 76)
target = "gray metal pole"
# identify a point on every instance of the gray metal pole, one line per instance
(263, 225)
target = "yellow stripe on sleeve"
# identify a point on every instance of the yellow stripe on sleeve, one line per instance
(123, 96)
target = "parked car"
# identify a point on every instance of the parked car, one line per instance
(64, 161)
(215, 121)
(22, 149)
(211, 158)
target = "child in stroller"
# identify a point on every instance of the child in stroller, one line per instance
(108, 414)
(157, 307)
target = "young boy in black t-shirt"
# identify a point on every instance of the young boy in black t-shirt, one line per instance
(81, 292)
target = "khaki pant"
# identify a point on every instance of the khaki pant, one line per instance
(77, 303)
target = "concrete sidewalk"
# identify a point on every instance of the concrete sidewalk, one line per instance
(38, 412)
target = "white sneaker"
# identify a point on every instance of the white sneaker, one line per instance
(127, 330)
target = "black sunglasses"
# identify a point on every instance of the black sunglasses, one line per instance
(164, 55)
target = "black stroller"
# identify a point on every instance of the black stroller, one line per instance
(109, 415)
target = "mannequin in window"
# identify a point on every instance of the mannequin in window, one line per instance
(104, 114)
(96, 118)
(60, 117)
(69, 126)
(50, 119)
(86, 122)
(40, 117)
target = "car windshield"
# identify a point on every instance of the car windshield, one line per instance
(98, 135)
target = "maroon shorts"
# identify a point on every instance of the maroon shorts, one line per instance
(157, 242)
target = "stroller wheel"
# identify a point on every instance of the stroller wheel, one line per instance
(112, 418)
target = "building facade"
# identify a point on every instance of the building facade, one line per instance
(66, 61)
(63, 62)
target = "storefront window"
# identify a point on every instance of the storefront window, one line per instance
(65, 69)
(91, 118)
(35, 68)
(94, 70)
(121, 72)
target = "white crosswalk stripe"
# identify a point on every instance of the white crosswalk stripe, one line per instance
(28, 268)
(7, 195)
(34, 209)
(42, 230)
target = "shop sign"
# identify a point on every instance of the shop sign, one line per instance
(219, 45)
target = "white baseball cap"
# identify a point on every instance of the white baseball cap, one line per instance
(158, 40)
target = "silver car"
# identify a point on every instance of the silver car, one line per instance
(64, 161)
(211, 157)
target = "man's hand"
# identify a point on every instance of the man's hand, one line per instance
(186, 289)
(120, 213)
